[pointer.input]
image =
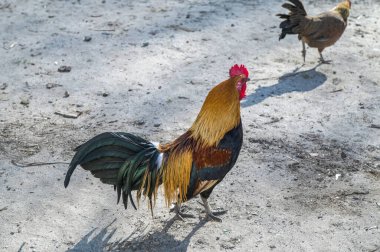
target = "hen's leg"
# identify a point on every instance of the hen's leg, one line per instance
(303, 51)
(321, 59)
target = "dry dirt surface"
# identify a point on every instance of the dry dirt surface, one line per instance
(308, 176)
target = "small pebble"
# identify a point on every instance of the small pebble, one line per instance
(87, 39)
(64, 69)
(24, 101)
(139, 122)
(3, 86)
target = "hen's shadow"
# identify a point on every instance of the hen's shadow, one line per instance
(296, 81)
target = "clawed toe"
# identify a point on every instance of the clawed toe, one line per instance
(185, 215)
(212, 217)
(322, 60)
(180, 215)
(325, 61)
(218, 213)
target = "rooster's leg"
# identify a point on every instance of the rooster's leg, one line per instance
(303, 52)
(176, 207)
(211, 214)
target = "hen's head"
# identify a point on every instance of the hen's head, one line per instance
(344, 9)
(348, 3)
(242, 84)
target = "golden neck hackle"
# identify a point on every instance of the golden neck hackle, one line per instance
(219, 114)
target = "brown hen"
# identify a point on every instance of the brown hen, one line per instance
(319, 31)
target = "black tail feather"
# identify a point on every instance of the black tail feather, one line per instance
(299, 5)
(120, 159)
(283, 16)
(291, 23)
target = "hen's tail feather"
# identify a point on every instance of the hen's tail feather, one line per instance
(120, 159)
(299, 4)
(283, 16)
(292, 20)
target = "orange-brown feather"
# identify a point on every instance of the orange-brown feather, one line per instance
(211, 157)
(176, 175)
(204, 185)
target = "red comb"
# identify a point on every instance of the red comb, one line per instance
(237, 70)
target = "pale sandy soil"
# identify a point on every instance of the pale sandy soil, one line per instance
(308, 176)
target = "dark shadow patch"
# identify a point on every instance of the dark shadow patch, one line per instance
(158, 240)
(295, 81)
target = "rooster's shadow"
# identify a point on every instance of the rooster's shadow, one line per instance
(295, 81)
(158, 240)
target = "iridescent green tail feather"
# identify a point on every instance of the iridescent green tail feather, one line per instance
(121, 159)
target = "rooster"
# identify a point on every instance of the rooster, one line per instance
(319, 31)
(192, 164)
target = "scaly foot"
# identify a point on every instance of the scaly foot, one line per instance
(210, 214)
(322, 60)
(180, 215)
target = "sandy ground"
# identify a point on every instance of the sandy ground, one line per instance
(308, 176)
